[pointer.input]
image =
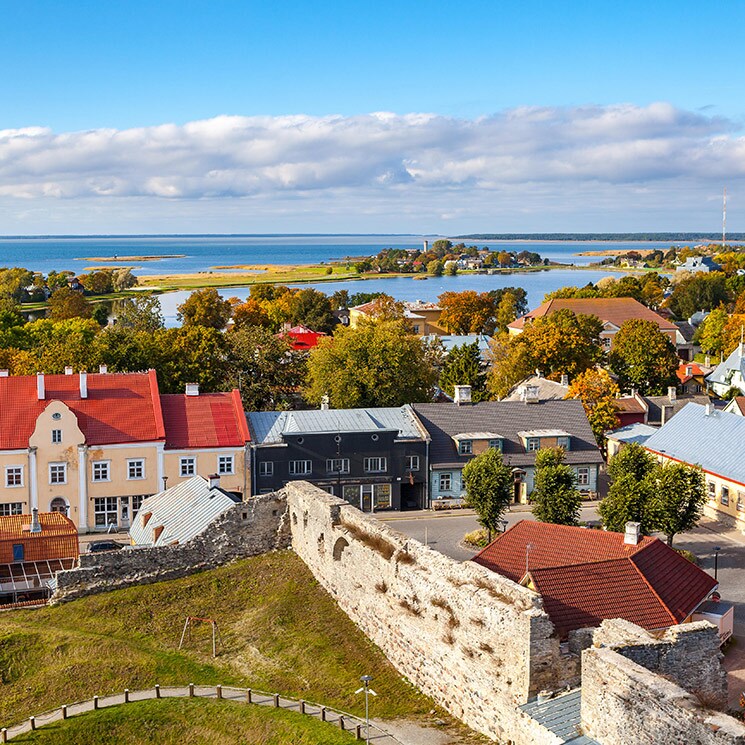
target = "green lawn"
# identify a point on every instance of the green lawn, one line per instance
(281, 632)
(210, 722)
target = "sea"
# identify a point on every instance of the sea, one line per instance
(188, 254)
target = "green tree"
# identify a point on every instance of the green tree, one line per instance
(14, 282)
(699, 291)
(463, 367)
(99, 283)
(489, 487)
(378, 363)
(441, 246)
(67, 303)
(191, 354)
(123, 279)
(128, 349)
(205, 308)
(100, 314)
(643, 357)
(710, 334)
(555, 497)
(139, 313)
(313, 309)
(451, 268)
(435, 268)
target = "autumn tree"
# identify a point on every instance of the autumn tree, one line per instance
(123, 279)
(67, 303)
(733, 333)
(463, 366)
(377, 363)
(250, 313)
(509, 363)
(205, 308)
(597, 391)
(467, 312)
(489, 487)
(555, 497)
(99, 282)
(710, 334)
(643, 357)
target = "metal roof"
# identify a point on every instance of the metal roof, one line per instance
(560, 715)
(637, 432)
(714, 440)
(543, 433)
(736, 361)
(183, 511)
(477, 436)
(268, 427)
(546, 389)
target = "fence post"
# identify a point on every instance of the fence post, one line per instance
(218, 690)
(358, 732)
(276, 701)
(126, 695)
(95, 702)
(33, 722)
(191, 690)
(157, 691)
(64, 711)
(302, 706)
(323, 713)
(248, 696)
(341, 722)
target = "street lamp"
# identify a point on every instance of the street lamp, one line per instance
(717, 549)
(368, 692)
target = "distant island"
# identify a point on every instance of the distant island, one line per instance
(657, 237)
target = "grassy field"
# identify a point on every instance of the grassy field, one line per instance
(281, 632)
(210, 723)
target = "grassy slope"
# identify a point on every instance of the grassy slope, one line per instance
(281, 632)
(210, 722)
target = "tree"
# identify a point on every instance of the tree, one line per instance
(250, 313)
(509, 363)
(677, 499)
(699, 291)
(205, 308)
(441, 246)
(67, 303)
(340, 300)
(128, 349)
(378, 363)
(139, 313)
(313, 309)
(435, 268)
(632, 460)
(467, 312)
(451, 268)
(555, 497)
(463, 367)
(123, 279)
(643, 357)
(710, 334)
(100, 314)
(99, 283)
(733, 333)
(191, 354)
(597, 391)
(489, 487)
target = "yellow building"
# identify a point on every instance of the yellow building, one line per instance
(424, 317)
(93, 446)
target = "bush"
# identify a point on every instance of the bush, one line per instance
(477, 538)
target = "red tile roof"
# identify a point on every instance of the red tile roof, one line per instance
(302, 338)
(585, 576)
(58, 538)
(209, 420)
(120, 407)
(682, 371)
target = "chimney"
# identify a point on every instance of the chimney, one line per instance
(192, 389)
(103, 369)
(68, 369)
(707, 360)
(538, 373)
(633, 392)
(35, 524)
(531, 395)
(672, 393)
(632, 535)
(709, 408)
(689, 369)
(40, 386)
(214, 480)
(3, 373)
(83, 384)
(462, 394)
(565, 379)
(325, 402)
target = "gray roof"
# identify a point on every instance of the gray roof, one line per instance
(548, 390)
(267, 427)
(560, 715)
(184, 511)
(687, 331)
(655, 405)
(638, 433)
(442, 421)
(736, 361)
(715, 441)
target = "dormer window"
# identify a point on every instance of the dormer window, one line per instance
(563, 442)
(532, 444)
(465, 447)
(496, 444)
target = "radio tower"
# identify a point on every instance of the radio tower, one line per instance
(724, 218)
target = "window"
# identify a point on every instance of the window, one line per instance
(583, 477)
(266, 468)
(465, 447)
(724, 495)
(13, 476)
(712, 487)
(562, 442)
(415, 328)
(11, 508)
(225, 464)
(56, 436)
(101, 470)
(188, 466)
(533, 443)
(337, 465)
(606, 342)
(496, 444)
(741, 501)
(137, 501)
(301, 467)
(376, 465)
(58, 473)
(446, 481)
(58, 505)
(136, 469)
(105, 512)
(412, 462)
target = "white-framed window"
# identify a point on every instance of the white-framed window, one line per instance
(563, 442)
(11, 508)
(266, 468)
(105, 511)
(137, 501)
(376, 465)
(583, 477)
(606, 342)
(135, 469)
(496, 444)
(712, 488)
(101, 470)
(56, 436)
(13, 476)
(533, 443)
(446, 481)
(412, 462)
(741, 500)
(187, 465)
(301, 467)
(724, 495)
(337, 465)
(58, 473)
(225, 465)
(465, 447)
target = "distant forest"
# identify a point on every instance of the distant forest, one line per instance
(657, 237)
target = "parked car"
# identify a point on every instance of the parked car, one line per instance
(95, 547)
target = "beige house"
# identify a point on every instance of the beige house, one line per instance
(424, 317)
(93, 446)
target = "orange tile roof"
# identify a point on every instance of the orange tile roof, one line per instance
(682, 371)
(120, 407)
(58, 538)
(585, 576)
(615, 310)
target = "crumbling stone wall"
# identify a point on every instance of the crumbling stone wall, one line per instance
(623, 703)
(249, 529)
(478, 643)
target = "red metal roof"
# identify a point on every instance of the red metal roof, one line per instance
(58, 538)
(585, 576)
(209, 420)
(120, 407)
(302, 338)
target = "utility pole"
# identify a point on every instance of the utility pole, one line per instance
(724, 217)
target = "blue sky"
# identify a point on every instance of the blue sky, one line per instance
(655, 88)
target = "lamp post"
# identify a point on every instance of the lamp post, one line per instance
(368, 692)
(717, 549)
